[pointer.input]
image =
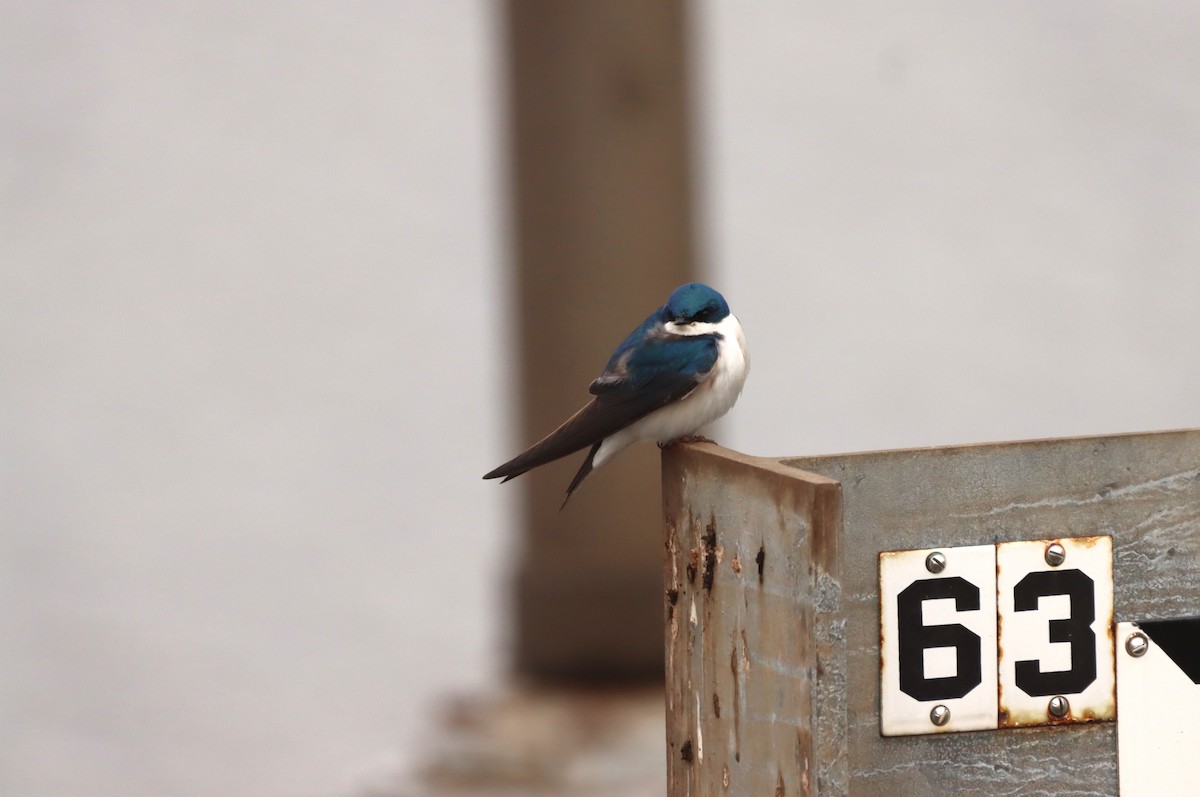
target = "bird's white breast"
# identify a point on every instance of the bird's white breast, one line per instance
(708, 402)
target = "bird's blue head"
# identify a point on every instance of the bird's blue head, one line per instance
(696, 303)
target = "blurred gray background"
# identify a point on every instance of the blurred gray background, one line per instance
(254, 341)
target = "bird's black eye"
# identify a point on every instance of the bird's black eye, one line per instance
(704, 314)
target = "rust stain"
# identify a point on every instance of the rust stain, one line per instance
(1003, 719)
(736, 564)
(737, 701)
(672, 599)
(761, 560)
(745, 652)
(725, 776)
(1070, 718)
(1050, 719)
(685, 752)
(780, 791)
(709, 542)
(716, 706)
(883, 664)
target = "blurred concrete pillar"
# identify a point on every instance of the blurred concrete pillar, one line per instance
(602, 232)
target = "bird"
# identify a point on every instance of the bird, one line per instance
(681, 369)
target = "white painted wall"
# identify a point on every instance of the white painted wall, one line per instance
(249, 293)
(947, 223)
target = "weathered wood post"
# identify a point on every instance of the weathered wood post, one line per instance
(754, 647)
(773, 618)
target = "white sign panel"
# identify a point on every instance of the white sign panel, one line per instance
(938, 635)
(1054, 599)
(1158, 690)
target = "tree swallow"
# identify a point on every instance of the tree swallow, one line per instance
(679, 371)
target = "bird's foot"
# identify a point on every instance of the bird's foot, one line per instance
(688, 438)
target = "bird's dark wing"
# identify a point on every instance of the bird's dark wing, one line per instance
(660, 356)
(653, 376)
(604, 415)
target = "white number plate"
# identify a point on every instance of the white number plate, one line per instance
(942, 668)
(1055, 624)
(938, 640)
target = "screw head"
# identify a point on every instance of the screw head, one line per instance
(939, 715)
(1059, 706)
(936, 563)
(1136, 644)
(1055, 554)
